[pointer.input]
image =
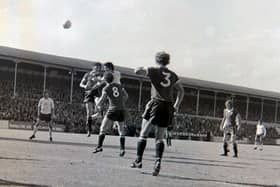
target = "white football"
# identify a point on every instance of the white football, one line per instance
(67, 24)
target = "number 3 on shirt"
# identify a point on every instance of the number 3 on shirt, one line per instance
(167, 81)
(116, 92)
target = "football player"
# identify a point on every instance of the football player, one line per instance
(109, 68)
(160, 109)
(230, 125)
(45, 114)
(116, 113)
(260, 134)
(91, 82)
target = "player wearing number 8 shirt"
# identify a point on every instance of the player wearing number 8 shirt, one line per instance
(116, 112)
(160, 109)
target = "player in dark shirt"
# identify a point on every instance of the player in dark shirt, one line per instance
(160, 109)
(116, 113)
(91, 83)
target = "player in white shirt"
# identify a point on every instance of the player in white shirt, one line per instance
(260, 134)
(45, 114)
(230, 125)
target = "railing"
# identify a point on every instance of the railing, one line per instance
(30, 126)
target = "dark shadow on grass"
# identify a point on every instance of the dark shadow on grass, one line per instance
(209, 180)
(270, 160)
(206, 160)
(69, 143)
(13, 183)
(179, 162)
(24, 159)
(203, 164)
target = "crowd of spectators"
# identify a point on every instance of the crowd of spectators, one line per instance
(23, 106)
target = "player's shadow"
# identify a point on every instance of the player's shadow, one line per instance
(13, 183)
(269, 160)
(200, 163)
(69, 143)
(209, 180)
(167, 157)
(20, 159)
(47, 142)
(206, 160)
(180, 162)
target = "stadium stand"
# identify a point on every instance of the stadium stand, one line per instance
(201, 110)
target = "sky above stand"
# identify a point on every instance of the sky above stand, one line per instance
(233, 41)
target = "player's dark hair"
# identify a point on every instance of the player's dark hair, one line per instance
(98, 64)
(162, 58)
(229, 101)
(108, 77)
(109, 65)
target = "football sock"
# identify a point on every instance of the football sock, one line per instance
(122, 142)
(235, 149)
(159, 150)
(89, 124)
(225, 148)
(101, 138)
(141, 145)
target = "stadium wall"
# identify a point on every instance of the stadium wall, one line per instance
(4, 124)
(203, 102)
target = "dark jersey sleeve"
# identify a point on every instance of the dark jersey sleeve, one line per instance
(176, 78)
(151, 72)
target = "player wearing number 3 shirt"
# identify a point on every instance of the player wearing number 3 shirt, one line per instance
(160, 109)
(116, 112)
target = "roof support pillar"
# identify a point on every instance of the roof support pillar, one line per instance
(197, 102)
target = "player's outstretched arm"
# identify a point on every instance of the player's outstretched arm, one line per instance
(52, 109)
(222, 122)
(39, 108)
(264, 131)
(125, 95)
(99, 82)
(141, 71)
(180, 95)
(83, 82)
(238, 121)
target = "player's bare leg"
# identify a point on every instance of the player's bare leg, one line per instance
(89, 109)
(234, 144)
(37, 124)
(103, 129)
(225, 145)
(261, 143)
(97, 113)
(50, 131)
(256, 143)
(168, 137)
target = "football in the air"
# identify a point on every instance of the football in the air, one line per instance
(67, 24)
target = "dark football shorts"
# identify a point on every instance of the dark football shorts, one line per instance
(116, 115)
(159, 112)
(258, 136)
(90, 95)
(45, 117)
